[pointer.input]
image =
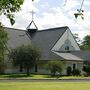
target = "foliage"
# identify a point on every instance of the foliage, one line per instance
(76, 72)
(55, 66)
(86, 43)
(25, 56)
(8, 7)
(79, 14)
(3, 37)
(77, 38)
(69, 71)
(3, 41)
(87, 69)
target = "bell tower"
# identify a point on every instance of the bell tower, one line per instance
(32, 28)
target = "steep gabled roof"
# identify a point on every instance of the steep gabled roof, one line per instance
(46, 39)
(16, 37)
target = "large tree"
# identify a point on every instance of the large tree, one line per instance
(86, 43)
(3, 41)
(25, 56)
(8, 7)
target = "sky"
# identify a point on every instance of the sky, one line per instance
(51, 14)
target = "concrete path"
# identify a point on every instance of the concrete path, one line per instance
(44, 80)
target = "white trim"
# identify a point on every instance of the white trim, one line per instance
(66, 36)
(68, 56)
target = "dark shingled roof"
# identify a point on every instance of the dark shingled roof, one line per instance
(16, 37)
(82, 54)
(46, 39)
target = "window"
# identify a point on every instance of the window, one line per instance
(74, 66)
(67, 48)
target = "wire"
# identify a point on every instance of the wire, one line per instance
(81, 5)
(65, 2)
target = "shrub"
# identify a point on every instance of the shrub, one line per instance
(55, 66)
(86, 69)
(69, 71)
(76, 72)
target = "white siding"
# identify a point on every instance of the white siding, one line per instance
(67, 36)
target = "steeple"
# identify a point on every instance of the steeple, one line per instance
(32, 28)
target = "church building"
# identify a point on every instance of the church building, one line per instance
(55, 44)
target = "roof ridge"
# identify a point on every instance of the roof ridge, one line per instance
(38, 30)
(52, 28)
(14, 29)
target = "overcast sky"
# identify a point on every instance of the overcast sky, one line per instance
(51, 14)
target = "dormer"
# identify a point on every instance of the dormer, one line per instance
(66, 43)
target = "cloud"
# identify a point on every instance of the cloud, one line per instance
(56, 16)
(70, 4)
(87, 3)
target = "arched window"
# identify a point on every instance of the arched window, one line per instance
(67, 48)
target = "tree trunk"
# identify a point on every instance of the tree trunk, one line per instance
(27, 71)
(21, 68)
(2, 66)
(36, 68)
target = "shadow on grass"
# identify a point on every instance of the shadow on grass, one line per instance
(19, 75)
(36, 76)
(50, 76)
(15, 76)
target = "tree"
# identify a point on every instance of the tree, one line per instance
(77, 38)
(25, 56)
(69, 71)
(86, 43)
(3, 41)
(55, 66)
(79, 12)
(8, 7)
(87, 69)
(76, 72)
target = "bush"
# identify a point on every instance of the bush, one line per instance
(76, 72)
(86, 69)
(55, 66)
(69, 71)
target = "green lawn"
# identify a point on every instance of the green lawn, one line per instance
(44, 85)
(33, 76)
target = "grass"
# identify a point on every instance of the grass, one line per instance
(44, 85)
(33, 76)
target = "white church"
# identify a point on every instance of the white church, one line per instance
(55, 44)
